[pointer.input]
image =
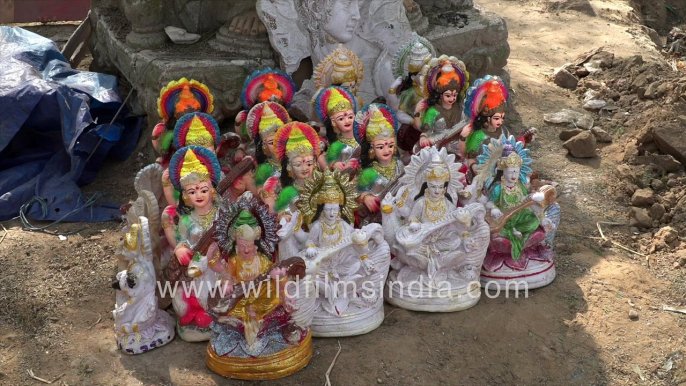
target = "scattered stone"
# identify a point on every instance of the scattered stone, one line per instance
(603, 58)
(569, 133)
(633, 314)
(672, 182)
(581, 72)
(582, 145)
(642, 80)
(639, 218)
(601, 135)
(565, 79)
(606, 243)
(662, 161)
(653, 35)
(579, 120)
(643, 197)
(657, 184)
(670, 139)
(379, 381)
(666, 218)
(666, 235)
(633, 230)
(630, 153)
(656, 211)
(653, 91)
(594, 104)
(681, 258)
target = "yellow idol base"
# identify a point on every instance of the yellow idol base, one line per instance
(279, 365)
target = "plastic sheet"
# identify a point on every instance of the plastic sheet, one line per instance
(51, 119)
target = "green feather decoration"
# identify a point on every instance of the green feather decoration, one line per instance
(366, 179)
(334, 151)
(285, 197)
(430, 116)
(262, 174)
(167, 139)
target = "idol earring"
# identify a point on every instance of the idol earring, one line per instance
(185, 200)
(214, 194)
(290, 171)
(371, 153)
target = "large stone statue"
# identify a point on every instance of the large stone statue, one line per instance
(373, 30)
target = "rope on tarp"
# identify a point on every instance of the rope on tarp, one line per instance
(23, 211)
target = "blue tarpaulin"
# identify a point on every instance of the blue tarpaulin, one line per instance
(51, 119)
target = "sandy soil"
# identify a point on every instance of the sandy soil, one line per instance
(55, 298)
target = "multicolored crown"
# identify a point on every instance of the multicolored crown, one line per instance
(246, 227)
(265, 119)
(197, 129)
(296, 139)
(503, 153)
(510, 157)
(375, 121)
(333, 100)
(486, 97)
(339, 67)
(267, 85)
(445, 73)
(249, 219)
(193, 164)
(182, 95)
(415, 53)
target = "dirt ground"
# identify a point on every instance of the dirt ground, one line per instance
(55, 296)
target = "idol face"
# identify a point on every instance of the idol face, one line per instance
(384, 150)
(343, 20)
(302, 167)
(199, 195)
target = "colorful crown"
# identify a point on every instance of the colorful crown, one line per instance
(192, 164)
(249, 219)
(438, 173)
(198, 129)
(375, 121)
(182, 94)
(266, 118)
(267, 85)
(503, 153)
(333, 100)
(296, 139)
(246, 227)
(339, 67)
(445, 73)
(486, 97)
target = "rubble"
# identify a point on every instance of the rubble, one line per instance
(601, 135)
(567, 134)
(643, 197)
(565, 79)
(639, 218)
(575, 118)
(582, 145)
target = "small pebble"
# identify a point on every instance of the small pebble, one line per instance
(633, 315)
(379, 380)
